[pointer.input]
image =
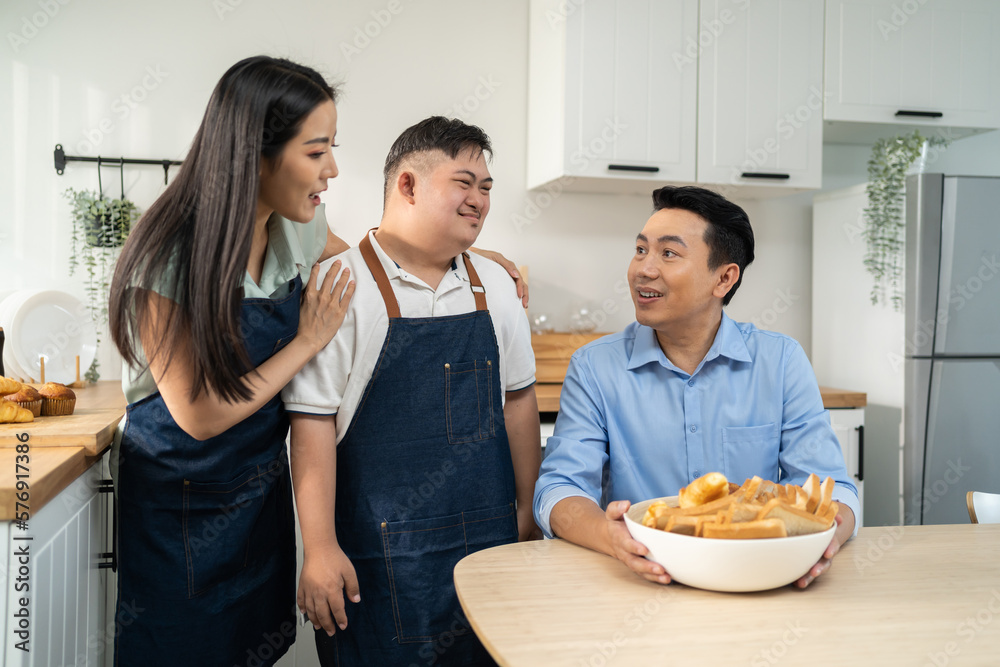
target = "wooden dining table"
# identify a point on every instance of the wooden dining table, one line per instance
(914, 595)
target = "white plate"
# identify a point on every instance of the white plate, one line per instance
(56, 326)
(7, 306)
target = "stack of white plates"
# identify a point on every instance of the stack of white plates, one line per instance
(49, 325)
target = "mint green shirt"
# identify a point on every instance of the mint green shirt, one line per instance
(292, 248)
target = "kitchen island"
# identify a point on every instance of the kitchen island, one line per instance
(913, 595)
(56, 532)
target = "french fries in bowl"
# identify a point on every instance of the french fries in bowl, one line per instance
(719, 536)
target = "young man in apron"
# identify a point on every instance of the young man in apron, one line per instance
(415, 437)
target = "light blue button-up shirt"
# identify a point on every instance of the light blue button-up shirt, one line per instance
(634, 426)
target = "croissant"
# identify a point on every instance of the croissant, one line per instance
(8, 386)
(14, 414)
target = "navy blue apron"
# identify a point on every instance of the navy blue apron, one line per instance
(424, 478)
(206, 529)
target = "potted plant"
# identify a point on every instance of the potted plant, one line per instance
(100, 227)
(884, 223)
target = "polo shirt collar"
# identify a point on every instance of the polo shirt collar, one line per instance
(728, 343)
(394, 272)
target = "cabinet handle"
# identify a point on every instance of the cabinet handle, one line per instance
(861, 453)
(633, 167)
(761, 174)
(108, 486)
(919, 114)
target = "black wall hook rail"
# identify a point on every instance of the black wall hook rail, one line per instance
(60, 158)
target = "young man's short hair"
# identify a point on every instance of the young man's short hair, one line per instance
(437, 133)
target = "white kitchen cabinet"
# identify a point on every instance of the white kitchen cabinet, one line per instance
(760, 93)
(612, 94)
(893, 65)
(66, 591)
(849, 425)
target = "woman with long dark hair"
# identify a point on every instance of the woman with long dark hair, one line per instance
(214, 309)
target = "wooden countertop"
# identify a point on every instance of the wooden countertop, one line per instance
(548, 397)
(894, 596)
(52, 468)
(553, 352)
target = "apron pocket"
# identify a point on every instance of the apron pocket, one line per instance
(469, 401)
(420, 558)
(218, 520)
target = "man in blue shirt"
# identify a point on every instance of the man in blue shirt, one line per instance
(684, 391)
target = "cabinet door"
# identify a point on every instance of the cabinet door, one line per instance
(761, 92)
(925, 57)
(847, 425)
(631, 89)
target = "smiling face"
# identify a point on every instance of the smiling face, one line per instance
(290, 184)
(669, 277)
(452, 198)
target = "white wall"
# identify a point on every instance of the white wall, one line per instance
(63, 82)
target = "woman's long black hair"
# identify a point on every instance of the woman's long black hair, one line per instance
(193, 243)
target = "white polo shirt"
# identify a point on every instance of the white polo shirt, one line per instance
(334, 380)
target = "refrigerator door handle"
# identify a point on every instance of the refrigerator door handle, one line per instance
(861, 453)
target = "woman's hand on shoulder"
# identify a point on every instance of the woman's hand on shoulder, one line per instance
(509, 267)
(323, 309)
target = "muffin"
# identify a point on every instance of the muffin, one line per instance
(28, 398)
(57, 399)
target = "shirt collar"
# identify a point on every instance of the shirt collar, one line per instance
(394, 272)
(728, 343)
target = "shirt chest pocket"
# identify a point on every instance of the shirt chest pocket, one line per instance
(751, 450)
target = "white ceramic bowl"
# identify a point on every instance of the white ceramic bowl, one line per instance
(728, 565)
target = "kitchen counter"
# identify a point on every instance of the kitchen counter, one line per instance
(51, 467)
(895, 595)
(553, 352)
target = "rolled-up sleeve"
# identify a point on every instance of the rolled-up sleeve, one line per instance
(808, 443)
(575, 456)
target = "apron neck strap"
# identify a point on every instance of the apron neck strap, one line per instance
(478, 290)
(382, 280)
(378, 272)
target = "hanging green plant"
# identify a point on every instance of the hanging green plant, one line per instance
(100, 227)
(884, 224)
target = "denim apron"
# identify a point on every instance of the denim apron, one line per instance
(424, 478)
(206, 531)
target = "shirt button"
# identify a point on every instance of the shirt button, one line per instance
(690, 383)
(697, 474)
(694, 429)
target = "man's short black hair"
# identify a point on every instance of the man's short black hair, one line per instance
(449, 135)
(729, 235)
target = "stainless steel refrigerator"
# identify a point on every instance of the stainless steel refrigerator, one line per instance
(951, 411)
